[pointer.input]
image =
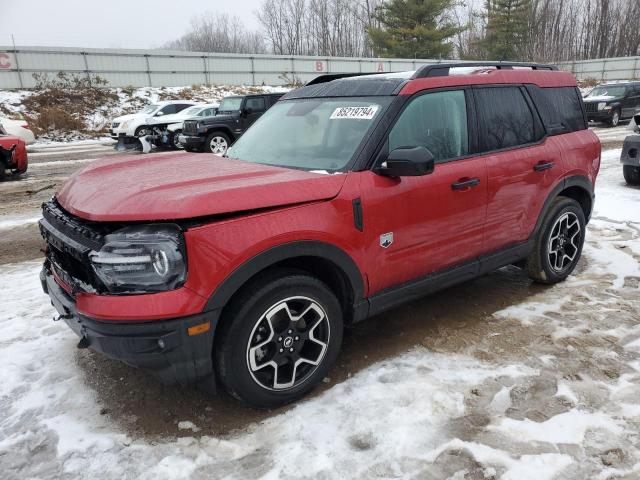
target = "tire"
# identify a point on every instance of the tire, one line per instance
(217, 143)
(631, 174)
(257, 330)
(614, 121)
(142, 128)
(559, 242)
(173, 140)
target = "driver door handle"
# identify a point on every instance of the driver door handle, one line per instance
(465, 183)
(542, 166)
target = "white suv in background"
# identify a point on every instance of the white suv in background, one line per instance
(174, 122)
(138, 124)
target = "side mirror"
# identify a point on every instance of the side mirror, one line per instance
(408, 162)
(160, 113)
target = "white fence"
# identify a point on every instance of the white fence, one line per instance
(619, 68)
(157, 68)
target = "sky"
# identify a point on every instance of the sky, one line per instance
(109, 24)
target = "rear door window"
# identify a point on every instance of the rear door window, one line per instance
(437, 121)
(559, 107)
(505, 118)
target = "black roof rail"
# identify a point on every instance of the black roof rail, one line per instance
(442, 69)
(336, 76)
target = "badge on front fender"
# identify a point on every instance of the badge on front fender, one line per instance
(386, 239)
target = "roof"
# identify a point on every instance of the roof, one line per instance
(432, 76)
(356, 86)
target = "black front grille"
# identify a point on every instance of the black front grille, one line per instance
(190, 127)
(69, 242)
(591, 107)
(115, 124)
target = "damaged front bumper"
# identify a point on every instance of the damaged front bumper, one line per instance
(177, 351)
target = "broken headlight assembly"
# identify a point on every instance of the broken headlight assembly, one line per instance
(139, 259)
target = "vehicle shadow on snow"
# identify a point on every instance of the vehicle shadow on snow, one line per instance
(140, 405)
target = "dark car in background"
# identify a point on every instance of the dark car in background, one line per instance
(613, 102)
(235, 115)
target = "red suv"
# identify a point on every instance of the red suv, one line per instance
(13, 155)
(350, 196)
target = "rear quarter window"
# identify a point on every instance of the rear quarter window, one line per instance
(506, 120)
(559, 107)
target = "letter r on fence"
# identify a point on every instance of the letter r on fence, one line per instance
(5, 61)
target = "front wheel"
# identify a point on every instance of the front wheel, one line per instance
(217, 143)
(614, 121)
(559, 242)
(631, 174)
(173, 140)
(278, 338)
(143, 131)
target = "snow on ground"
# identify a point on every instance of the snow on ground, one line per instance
(8, 222)
(544, 389)
(50, 146)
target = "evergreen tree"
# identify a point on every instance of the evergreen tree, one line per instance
(413, 29)
(507, 31)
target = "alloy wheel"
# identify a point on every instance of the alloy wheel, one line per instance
(615, 119)
(288, 343)
(564, 241)
(175, 141)
(218, 145)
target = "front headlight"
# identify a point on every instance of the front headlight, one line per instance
(125, 124)
(601, 105)
(146, 258)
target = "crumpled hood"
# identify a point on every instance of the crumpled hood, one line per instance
(124, 118)
(186, 185)
(173, 118)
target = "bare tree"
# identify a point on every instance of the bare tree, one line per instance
(221, 33)
(318, 27)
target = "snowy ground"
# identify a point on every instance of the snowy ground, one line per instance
(546, 388)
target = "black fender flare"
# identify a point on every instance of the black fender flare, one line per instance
(273, 255)
(579, 181)
(219, 127)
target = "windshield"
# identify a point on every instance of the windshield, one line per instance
(310, 134)
(607, 91)
(193, 111)
(230, 104)
(150, 108)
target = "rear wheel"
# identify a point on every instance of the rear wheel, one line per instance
(217, 143)
(631, 174)
(278, 338)
(558, 245)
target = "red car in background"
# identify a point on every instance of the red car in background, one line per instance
(13, 155)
